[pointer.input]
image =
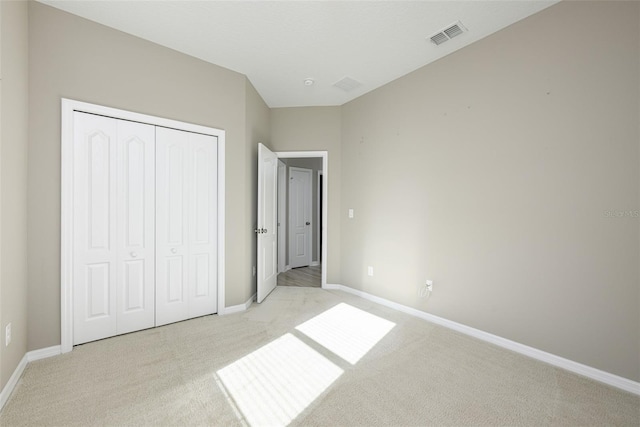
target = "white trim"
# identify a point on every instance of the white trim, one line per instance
(66, 251)
(221, 223)
(314, 263)
(325, 199)
(569, 365)
(13, 381)
(66, 223)
(44, 353)
(318, 215)
(29, 357)
(282, 216)
(240, 307)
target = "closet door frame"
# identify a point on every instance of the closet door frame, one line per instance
(70, 106)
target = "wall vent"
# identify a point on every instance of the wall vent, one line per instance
(347, 84)
(448, 33)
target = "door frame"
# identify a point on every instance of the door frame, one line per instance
(68, 107)
(319, 215)
(282, 215)
(324, 155)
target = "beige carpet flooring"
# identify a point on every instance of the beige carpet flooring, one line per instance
(417, 374)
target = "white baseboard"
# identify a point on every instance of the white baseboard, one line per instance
(13, 381)
(240, 307)
(17, 373)
(314, 264)
(43, 353)
(578, 368)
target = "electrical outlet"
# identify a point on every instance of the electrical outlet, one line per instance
(350, 213)
(430, 285)
(370, 271)
(7, 335)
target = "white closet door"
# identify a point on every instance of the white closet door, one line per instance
(114, 231)
(186, 200)
(136, 227)
(203, 273)
(95, 254)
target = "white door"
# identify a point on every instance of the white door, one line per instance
(94, 268)
(299, 217)
(135, 299)
(282, 216)
(267, 230)
(113, 272)
(186, 197)
(203, 236)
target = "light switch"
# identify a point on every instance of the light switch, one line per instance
(351, 213)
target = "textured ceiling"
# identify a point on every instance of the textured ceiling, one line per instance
(279, 44)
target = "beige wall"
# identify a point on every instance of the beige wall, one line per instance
(316, 129)
(258, 130)
(74, 58)
(13, 184)
(492, 172)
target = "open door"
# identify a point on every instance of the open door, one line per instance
(267, 229)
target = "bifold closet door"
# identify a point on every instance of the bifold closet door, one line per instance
(114, 216)
(186, 218)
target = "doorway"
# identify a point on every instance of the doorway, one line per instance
(298, 167)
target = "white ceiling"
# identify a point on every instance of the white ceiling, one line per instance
(279, 44)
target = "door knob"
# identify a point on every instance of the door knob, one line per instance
(308, 223)
(174, 250)
(133, 254)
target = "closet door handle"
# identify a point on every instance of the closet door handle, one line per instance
(174, 250)
(134, 255)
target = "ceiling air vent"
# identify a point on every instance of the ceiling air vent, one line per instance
(448, 33)
(347, 84)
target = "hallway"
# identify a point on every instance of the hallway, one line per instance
(305, 277)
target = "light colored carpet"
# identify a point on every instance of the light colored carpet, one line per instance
(417, 374)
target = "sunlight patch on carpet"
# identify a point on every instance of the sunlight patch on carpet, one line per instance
(347, 331)
(275, 383)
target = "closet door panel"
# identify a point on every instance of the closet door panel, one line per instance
(136, 226)
(203, 217)
(95, 252)
(172, 206)
(186, 191)
(144, 226)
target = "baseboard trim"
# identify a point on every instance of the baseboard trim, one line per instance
(31, 356)
(13, 381)
(44, 353)
(569, 365)
(240, 307)
(314, 264)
